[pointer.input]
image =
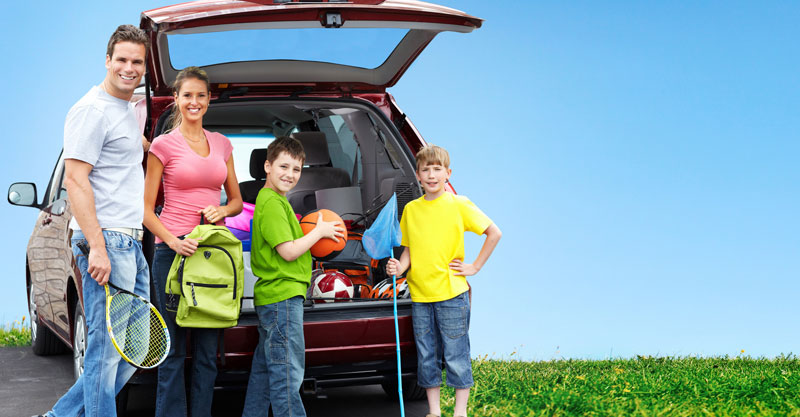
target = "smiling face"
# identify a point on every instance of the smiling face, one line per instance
(433, 177)
(125, 68)
(283, 173)
(192, 100)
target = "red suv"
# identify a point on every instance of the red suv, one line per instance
(315, 70)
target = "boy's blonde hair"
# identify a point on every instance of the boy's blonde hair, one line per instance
(432, 154)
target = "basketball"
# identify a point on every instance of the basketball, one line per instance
(331, 286)
(325, 248)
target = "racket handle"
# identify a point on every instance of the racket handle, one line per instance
(83, 247)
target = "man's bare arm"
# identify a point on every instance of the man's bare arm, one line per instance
(81, 198)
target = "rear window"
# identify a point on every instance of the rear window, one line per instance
(358, 47)
(243, 145)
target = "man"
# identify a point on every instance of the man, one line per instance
(105, 184)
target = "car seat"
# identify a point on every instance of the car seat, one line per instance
(250, 189)
(317, 174)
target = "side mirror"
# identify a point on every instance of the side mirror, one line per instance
(23, 194)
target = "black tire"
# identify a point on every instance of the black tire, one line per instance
(79, 332)
(43, 341)
(411, 391)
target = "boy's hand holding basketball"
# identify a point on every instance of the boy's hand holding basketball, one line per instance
(332, 230)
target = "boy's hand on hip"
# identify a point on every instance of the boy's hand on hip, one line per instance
(463, 269)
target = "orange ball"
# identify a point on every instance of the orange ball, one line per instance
(325, 248)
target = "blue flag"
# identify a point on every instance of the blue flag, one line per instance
(384, 234)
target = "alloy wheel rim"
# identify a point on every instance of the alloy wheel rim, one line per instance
(33, 315)
(79, 346)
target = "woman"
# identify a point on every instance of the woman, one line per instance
(193, 164)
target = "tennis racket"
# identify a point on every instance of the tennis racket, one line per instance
(135, 326)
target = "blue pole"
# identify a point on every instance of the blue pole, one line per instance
(397, 342)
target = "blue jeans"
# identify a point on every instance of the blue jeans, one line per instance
(105, 372)
(278, 361)
(440, 330)
(171, 389)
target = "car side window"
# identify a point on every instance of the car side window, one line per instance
(342, 144)
(56, 190)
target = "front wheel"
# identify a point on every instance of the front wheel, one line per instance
(79, 340)
(411, 391)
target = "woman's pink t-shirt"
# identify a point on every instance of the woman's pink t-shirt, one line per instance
(191, 182)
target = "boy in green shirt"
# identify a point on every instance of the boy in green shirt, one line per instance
(281, 260)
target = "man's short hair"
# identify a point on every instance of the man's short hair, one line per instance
(432, 154)
(127, 33)
(286, 144)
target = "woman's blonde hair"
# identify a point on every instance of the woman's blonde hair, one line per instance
(187, 73)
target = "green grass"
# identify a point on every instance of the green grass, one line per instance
(15, 334)
(645, 386)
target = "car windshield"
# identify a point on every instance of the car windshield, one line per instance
(357, 47)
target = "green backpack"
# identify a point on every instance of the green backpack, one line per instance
(210, 282)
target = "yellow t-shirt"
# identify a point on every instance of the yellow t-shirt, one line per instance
(434, 233)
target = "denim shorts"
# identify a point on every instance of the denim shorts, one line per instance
(441, 333)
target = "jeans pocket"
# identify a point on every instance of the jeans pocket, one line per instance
(278, 345)
(453, 321)
(120, 243)
(276, 337)
(277, 352)
(421, 320)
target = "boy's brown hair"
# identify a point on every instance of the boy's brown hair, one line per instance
(127, 33)
(286, 144)
(432, 154)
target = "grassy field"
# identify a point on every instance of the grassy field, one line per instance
(644, 386)
(17, 333)
(739, 386)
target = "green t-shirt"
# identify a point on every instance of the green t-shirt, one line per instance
(274, 222)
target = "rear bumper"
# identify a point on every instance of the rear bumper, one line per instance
(357, 350)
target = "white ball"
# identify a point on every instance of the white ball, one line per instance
(332, 285)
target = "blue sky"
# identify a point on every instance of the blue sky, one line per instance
(640, 158)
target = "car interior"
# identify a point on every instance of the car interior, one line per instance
(354, 161)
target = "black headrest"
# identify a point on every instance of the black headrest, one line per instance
(315, 147)
(257, 159)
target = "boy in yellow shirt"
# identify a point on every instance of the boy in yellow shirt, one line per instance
(433, 229)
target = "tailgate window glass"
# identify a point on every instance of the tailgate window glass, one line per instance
(243, 145)
(357, 47)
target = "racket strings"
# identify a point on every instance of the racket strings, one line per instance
(137, 330)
